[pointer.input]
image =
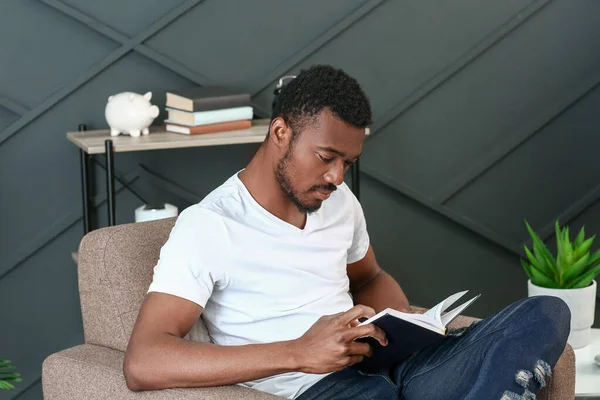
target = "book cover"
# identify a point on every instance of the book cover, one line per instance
(404, 338)
(206, 98)
(179, 117)
(408, 333)
(210, 128)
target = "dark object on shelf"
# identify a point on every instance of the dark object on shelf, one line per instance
(158, 206)
(279, 88)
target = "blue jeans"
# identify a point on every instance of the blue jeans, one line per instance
(505, 357)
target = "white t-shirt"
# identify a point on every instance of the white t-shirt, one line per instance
(259, 278)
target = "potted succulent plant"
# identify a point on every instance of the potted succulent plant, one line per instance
(7, 376)
(570, 275)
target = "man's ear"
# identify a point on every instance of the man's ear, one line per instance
(280, 133)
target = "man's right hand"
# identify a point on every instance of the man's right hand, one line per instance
(329, 345)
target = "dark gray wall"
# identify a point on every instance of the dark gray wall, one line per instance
(485, 114)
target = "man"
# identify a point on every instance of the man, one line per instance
(277, 261)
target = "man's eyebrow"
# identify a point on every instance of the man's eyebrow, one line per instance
(336, 151)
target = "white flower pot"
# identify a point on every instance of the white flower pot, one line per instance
(581, 302)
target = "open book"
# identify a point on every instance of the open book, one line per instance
(408, 333)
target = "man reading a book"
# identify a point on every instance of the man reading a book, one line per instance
(278, 263)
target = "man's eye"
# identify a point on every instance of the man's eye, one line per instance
(325, 159)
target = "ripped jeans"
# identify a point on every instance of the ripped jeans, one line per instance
(508, 356)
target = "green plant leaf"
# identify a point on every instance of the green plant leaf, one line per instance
(7, 376)
(6, 373)
(580, 237)
(531, 257)
(527, 269)
(542, 254)
(584, 248)
(12, 378)
(594, 258)
(568, 248)
(6, 386)
(574, 272)
(586, 279)
(540, 279)
(540, 265)
(560, 250)
(544, 257)
(551, 261)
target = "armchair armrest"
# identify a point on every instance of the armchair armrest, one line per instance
(95, 372)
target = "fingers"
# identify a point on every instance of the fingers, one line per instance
(359, 349)
(351, 360)
(369, 330)
(356, 312)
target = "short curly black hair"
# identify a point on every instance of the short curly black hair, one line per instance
(322, 87)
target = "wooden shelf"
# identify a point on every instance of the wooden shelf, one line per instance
(92, 142)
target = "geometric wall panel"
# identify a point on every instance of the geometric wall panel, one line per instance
(502, 91)
(42, 50)
(229, 40)
(406, 55)
(6, 117)
(541, 178)
(128, 17)
(46, 187)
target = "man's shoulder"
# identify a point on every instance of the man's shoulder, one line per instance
(217, 205)
(224, 200)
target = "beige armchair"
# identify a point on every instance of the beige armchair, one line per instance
(115, 267)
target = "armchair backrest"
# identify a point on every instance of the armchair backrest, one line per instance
(115, 268)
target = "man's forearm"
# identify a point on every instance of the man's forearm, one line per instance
(174, 362)
(382, 292)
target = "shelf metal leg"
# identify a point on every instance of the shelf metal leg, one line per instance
(355, 172)
(110, 181)
(84, 159)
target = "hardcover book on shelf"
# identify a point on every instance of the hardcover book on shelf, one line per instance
(210, 128)
(206, 98)
(179, 117)
(408, 333)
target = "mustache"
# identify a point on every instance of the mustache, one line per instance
(327, 188)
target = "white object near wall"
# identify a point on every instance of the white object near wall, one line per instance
(582, 304)
(151, 213)
(131, 113)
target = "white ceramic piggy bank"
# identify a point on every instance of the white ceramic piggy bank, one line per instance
(130, 113)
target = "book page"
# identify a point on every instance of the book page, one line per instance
(433, 318)
(436, 311)
(421, 317)
(451, 315)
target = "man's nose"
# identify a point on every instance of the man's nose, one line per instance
(335, 174)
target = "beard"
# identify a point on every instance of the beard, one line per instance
(282, 171)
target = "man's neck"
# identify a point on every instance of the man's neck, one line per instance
(260, 180)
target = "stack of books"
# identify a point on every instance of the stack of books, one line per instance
(197, 110)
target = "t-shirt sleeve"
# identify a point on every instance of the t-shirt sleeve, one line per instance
(360, 238)
(192, 261)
